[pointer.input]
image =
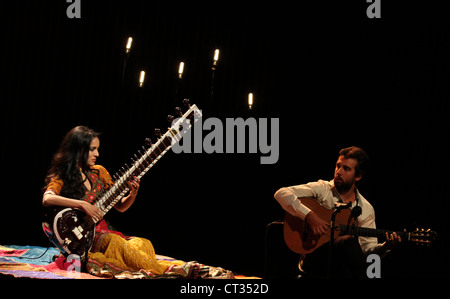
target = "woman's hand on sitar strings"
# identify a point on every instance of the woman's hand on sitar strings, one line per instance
(134, 186)
(126, 202)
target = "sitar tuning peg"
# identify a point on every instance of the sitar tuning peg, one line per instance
(122, 171)
(178, 111)
(148, 142)
(170, 118)
(158, 132)
(187, 102)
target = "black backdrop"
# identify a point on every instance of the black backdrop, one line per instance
(333, 77)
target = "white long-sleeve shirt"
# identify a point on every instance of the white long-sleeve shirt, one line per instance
(325, 193)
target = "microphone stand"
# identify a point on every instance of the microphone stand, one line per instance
(338, 207)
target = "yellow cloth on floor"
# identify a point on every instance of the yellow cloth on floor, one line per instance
(134, 254)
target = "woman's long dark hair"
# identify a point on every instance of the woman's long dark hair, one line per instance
(72, 154)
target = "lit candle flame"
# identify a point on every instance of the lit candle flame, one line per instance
(181, 70)
(250, 100)
(141, 78)
(215, 58)
(128, 46)
(216, 55)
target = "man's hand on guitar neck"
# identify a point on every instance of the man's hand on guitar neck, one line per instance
(317, 224)
(392, 240)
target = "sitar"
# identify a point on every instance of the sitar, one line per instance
(300, 238)
(72, 231)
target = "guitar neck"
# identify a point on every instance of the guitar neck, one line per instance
(147, 160)
(369, 232)
(300, 238)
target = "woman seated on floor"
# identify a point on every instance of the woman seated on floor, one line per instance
(75, 181)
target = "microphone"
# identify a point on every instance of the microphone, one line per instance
(356, 212)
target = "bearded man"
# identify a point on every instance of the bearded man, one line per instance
(349, 253)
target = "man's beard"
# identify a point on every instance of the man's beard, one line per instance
(342, 186)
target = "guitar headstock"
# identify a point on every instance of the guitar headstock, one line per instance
(423, 237)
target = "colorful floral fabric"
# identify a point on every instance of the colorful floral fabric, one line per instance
(99, 178)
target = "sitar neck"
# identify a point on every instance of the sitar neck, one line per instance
(147, 160)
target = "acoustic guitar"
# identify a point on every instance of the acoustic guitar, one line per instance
(300, 238)
(72, 231)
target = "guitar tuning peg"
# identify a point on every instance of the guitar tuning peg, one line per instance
(148, 142)
(170, 118)
(187, 103)
(178, 111)
(158, 132)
